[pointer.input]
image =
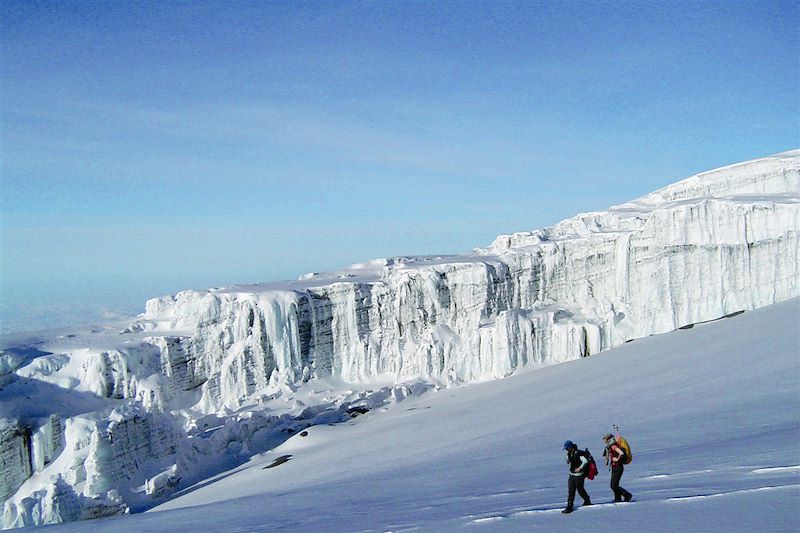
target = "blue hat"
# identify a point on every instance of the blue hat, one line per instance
(568, 444)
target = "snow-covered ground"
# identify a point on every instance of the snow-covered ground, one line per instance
(712, 413)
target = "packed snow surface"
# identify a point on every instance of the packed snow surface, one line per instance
(127, 415)
(712, 414)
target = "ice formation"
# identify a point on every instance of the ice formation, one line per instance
(203, 379)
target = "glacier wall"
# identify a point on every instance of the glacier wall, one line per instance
(14, 457)
(204, 379)
(719, 242)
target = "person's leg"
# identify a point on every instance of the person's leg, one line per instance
(616, 474)
(622, 492)
(571, 498)
(579, 483)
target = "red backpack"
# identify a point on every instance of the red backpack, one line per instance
(592, 465)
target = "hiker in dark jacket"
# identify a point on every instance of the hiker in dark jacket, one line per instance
(615, 459)
(578, 469)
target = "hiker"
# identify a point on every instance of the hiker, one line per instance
(615, 459)
(578, 468)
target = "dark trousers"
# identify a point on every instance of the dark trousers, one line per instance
(576, 483)
(616, 475)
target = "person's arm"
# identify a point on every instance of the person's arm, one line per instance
(584, 462)
(617, 449)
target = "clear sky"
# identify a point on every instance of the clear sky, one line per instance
(151, 147)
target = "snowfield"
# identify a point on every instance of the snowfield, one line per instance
(182, 404)
(712, 414)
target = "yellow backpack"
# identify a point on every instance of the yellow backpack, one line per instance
(625, 446)
(623, 443)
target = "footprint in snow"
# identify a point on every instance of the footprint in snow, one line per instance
(557, 508)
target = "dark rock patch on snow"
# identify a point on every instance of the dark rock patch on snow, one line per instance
(279, 461)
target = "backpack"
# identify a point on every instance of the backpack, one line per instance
(592, 465)
(623, 443)
(626, 448)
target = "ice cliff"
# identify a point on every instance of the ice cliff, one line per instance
(204, 379)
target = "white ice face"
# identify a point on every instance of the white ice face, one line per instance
(711, 245)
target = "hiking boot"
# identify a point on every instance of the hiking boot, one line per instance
(567, 510)
(617, 500)
(587, 503)
(628, 497)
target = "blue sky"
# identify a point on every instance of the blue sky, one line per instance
(152, 147)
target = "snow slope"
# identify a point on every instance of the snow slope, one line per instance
(712, 413)
(121, 417)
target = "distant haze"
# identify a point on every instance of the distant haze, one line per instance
(152, 147)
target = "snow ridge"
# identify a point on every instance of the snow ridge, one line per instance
(204, 379)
